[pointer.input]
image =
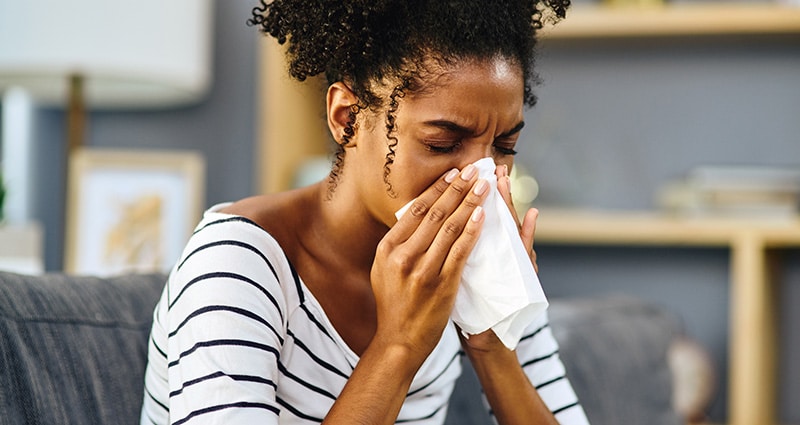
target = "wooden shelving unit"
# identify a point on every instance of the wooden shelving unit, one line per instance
(753, 244)
(672, 20)
(291, 130)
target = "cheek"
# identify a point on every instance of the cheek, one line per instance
(409, 180)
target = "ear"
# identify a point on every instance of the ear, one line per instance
(340, 103)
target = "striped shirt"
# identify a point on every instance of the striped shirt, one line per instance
(238, 338)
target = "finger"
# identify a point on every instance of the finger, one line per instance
(457, 224)
(529, 227)
(460, 249)
(459, 194)
(527, 233)
(503, 183)
(409, 221)
(504, 187)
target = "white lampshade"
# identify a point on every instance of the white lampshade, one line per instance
(93, 54)
(130, 54)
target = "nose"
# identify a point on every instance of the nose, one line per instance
(479, 149)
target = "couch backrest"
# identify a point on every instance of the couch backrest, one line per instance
(615, 352)
(73, 349)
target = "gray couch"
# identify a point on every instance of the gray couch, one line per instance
(73, 351)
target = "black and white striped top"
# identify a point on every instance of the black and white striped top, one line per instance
(238, 338)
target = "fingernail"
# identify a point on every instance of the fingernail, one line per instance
(477, 214)
(468, 173)
(480, 187)
(451, 175)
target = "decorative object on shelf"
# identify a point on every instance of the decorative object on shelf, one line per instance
(694, 379)
(741, 191)
(131, 210)
(95, 54)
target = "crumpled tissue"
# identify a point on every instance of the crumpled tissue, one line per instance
(499, 288)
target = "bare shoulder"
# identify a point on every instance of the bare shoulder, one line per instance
(280, 214)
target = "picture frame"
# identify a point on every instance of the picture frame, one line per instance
(130, 210)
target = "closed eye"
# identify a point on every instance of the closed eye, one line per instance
(505, 150)
(442, 148)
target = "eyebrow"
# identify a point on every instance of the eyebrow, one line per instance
(460, 129)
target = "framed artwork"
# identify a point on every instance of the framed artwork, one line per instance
(130, 210)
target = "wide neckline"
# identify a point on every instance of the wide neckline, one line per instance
(307, 295)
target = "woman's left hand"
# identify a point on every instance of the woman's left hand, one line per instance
(505, 384)
(528, 226)
(487, 341)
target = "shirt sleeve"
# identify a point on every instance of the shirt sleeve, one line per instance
(226, 322)
(538, 354)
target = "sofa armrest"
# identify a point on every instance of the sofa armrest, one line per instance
(73, 349)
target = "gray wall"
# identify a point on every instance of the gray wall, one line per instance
(615, 120)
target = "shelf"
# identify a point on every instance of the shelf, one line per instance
(753, 302)
(655, 228)
(669, 20)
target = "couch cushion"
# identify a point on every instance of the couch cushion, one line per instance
(615, 352)
(74, 348)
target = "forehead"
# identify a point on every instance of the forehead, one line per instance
(493, 86)
(434, 73)
(469, 71)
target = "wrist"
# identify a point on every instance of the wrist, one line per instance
(497, 358)
(403, 359)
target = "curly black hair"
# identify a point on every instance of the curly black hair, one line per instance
(361, 42)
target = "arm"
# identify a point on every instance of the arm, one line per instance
(509, 392)
(414, 277)
(510, 380)
(225, 326)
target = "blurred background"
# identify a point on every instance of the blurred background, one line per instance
(619, 120)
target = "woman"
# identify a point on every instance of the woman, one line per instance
(318, 305)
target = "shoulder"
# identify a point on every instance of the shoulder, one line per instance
(225, 240)
(281, 214)
(231, 260)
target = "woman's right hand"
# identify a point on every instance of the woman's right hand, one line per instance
(418, 264)
(415, 277)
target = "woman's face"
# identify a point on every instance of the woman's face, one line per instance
(470, 111)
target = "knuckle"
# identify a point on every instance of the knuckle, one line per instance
(383, 249)
(452, 228)
(459, 252)
(440, 187)
(472, 202)
(459, 188)
(419, 208)
(417, 277)
(436, 215)
(403, 262)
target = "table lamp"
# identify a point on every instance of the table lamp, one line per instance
(93, 54)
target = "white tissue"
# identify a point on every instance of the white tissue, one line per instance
(499, 288)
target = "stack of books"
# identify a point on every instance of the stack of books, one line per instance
(735, 191)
